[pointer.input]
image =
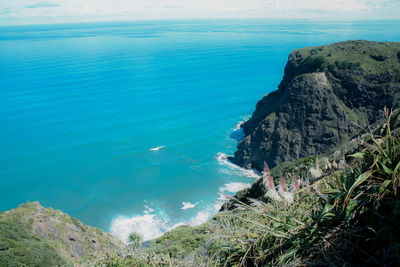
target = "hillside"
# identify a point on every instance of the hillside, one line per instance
(328, 95)
(31, 235)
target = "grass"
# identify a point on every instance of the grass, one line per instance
(19, 247)
(371, 57)
(181, 241)
(31, 235)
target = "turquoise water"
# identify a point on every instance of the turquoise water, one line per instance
(118, 124)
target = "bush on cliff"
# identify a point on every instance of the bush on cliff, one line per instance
(348, 218)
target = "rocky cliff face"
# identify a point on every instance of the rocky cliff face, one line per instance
(31, 235)
(328, 94)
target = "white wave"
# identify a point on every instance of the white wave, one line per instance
(218, 204)
(147, 225)
(188, 205)
(222, 159)
(234, 187)
(177, 225)
(151, 226)
(201, 217)
(238, 132)
(156, 148)
(149, 209)
(239, 124)
(223, 196)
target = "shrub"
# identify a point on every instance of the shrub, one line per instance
(347, 65)
(315, 63)
(348, 218)
(135, 240)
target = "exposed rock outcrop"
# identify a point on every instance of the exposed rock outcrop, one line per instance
(35, 236)
(328, 95)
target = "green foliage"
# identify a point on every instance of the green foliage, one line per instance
(135, 240)
(180, 241)
(354, 223)
(371, 57)
(116, 260)
(19, 247)
(300, 166)
(31, 235)
(138, 257)
(384, 155)
(347, 65)
(315, 63)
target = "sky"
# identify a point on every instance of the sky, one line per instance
(60, 11)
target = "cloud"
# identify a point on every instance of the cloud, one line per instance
(171, 6)
(6, 11)
(42, 4)
(39, 11)
(338, 5)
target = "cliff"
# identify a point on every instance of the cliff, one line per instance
(31, 235)
(328, 95)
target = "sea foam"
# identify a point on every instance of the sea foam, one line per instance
(188, 205)
(152, 225)
(156, 148)
(222, 159)
(243, 120)
(234, 187)
(147, 225)
(238, 133)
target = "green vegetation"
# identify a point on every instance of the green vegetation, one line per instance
(19, 247)
(349, 217)
(372, 57)
(181, 241)
(134, 240)
(31, 235)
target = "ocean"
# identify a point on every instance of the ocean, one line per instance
(126, 125)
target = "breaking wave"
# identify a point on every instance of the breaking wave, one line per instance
(151, 225)
(223, 159)
(243, 120)
(156, 148)
(188, 205)
(234, 187)
(147, 225)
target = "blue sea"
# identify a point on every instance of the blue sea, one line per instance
(126, 125)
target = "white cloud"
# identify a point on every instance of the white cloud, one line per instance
(339, 5)
(81, 10)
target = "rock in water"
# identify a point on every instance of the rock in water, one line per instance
(328, 94)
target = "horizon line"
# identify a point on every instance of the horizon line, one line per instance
(202, 19)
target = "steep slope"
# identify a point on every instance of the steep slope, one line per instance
(327, 95)
(31, 235)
